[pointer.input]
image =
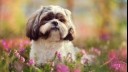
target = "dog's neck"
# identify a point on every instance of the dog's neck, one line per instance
(47, 44)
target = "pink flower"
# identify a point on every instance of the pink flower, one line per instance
(59, 56)
(31, 62)
(6, 45)
(112, 55)
(17, 54)
(87, 59)
(83, 52)
(118, 66)
(21, 50)
(22, 59)
(96, 51)
(62, 68)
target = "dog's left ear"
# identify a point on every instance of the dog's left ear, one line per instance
(71, 34)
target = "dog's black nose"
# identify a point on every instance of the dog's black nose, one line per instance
(55, 23)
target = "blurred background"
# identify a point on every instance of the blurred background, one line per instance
(101, 27)
(93, 18)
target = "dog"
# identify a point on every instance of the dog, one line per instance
(50, 30)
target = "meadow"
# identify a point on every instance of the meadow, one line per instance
(99, 56)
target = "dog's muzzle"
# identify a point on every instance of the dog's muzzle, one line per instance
(55, 24)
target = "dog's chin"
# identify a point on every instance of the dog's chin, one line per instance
(54, 35)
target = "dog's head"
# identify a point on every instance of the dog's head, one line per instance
(51, 22)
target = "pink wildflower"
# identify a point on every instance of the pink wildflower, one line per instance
(31, 62)
(112, 55)
(118, 66)
(22, 59)
(87, 59)
(6, 45)
(62, 68)
(21, 50)
(17, 54)
(83, 52)
(59, 56)
(96, 51)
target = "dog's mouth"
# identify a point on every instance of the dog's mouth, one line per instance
(51, 32)
(54, 28)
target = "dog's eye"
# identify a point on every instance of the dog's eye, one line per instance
(47, 18)
(62, 20)
(60, 17)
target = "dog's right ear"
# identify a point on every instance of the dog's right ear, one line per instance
(32, 28)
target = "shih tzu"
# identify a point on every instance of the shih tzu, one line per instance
(50, 29)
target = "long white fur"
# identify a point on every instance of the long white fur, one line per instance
(43, 50)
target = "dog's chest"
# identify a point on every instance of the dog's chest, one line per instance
(42, 52)
(47, 51)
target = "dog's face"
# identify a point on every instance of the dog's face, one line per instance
(51, 23)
